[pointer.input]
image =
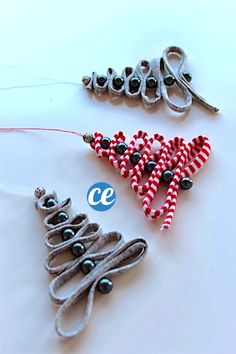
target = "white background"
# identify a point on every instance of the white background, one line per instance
(181, 299)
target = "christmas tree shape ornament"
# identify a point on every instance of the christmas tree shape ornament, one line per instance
(173, 164)
(89, 252)
(151, 81)
(148, 167)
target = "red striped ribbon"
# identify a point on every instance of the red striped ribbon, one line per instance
(184, 159)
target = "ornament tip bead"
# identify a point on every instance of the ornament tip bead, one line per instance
(86, 80)
(39, 192)
(88, 138)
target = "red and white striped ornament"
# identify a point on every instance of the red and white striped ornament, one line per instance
(182, 158)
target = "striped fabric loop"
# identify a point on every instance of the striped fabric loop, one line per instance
(200, 149)
(169, 204)
(182, 158)
(139, 141)
(144, 148)
(166, 156)
(118, 138)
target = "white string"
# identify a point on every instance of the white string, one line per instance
(53, 81)
(16, 189)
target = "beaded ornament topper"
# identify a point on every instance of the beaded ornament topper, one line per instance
(150, 81)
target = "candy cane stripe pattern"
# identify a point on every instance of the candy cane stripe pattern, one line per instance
(176, 158)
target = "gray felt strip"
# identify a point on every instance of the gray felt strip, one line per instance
(87, 235)
(108, 251)
(157, 68)
(131, 253)
(53, 238)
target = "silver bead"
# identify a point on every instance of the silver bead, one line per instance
(39, 192)
(86, 80)
(88, 138)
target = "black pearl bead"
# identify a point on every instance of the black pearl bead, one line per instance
(87, 265)
(135, 83)
(50, 202)
(105, 285)
(186, 183)
(68, 234)
(105, 143)
(60, 217)
(101, 80)
(167, 176)
(135, 158)
(121, 148)
(150, 165)
(151, 82)
(78, 249)
(169, 80)
(118, 82)
(187, 76)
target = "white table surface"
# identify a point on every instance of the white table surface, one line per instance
(181, 299)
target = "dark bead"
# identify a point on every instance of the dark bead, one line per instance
(60, 217)
(187, 76)
(118, 82)
(151, 82)
(135, 158)
(68, 234)
(186, 183)
(121, 148)
(150, 165)
(135, 83)
(167, 176)
(101, 80)
(105, 285)
(105, 143)
(87, 265)
(169, 80)
(50, 202)
(78, 249)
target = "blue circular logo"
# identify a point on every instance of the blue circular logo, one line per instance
(101, 196)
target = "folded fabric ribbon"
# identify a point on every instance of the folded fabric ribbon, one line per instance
(140, 159)
(123, 258)
(151, 81)
(95, 255)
